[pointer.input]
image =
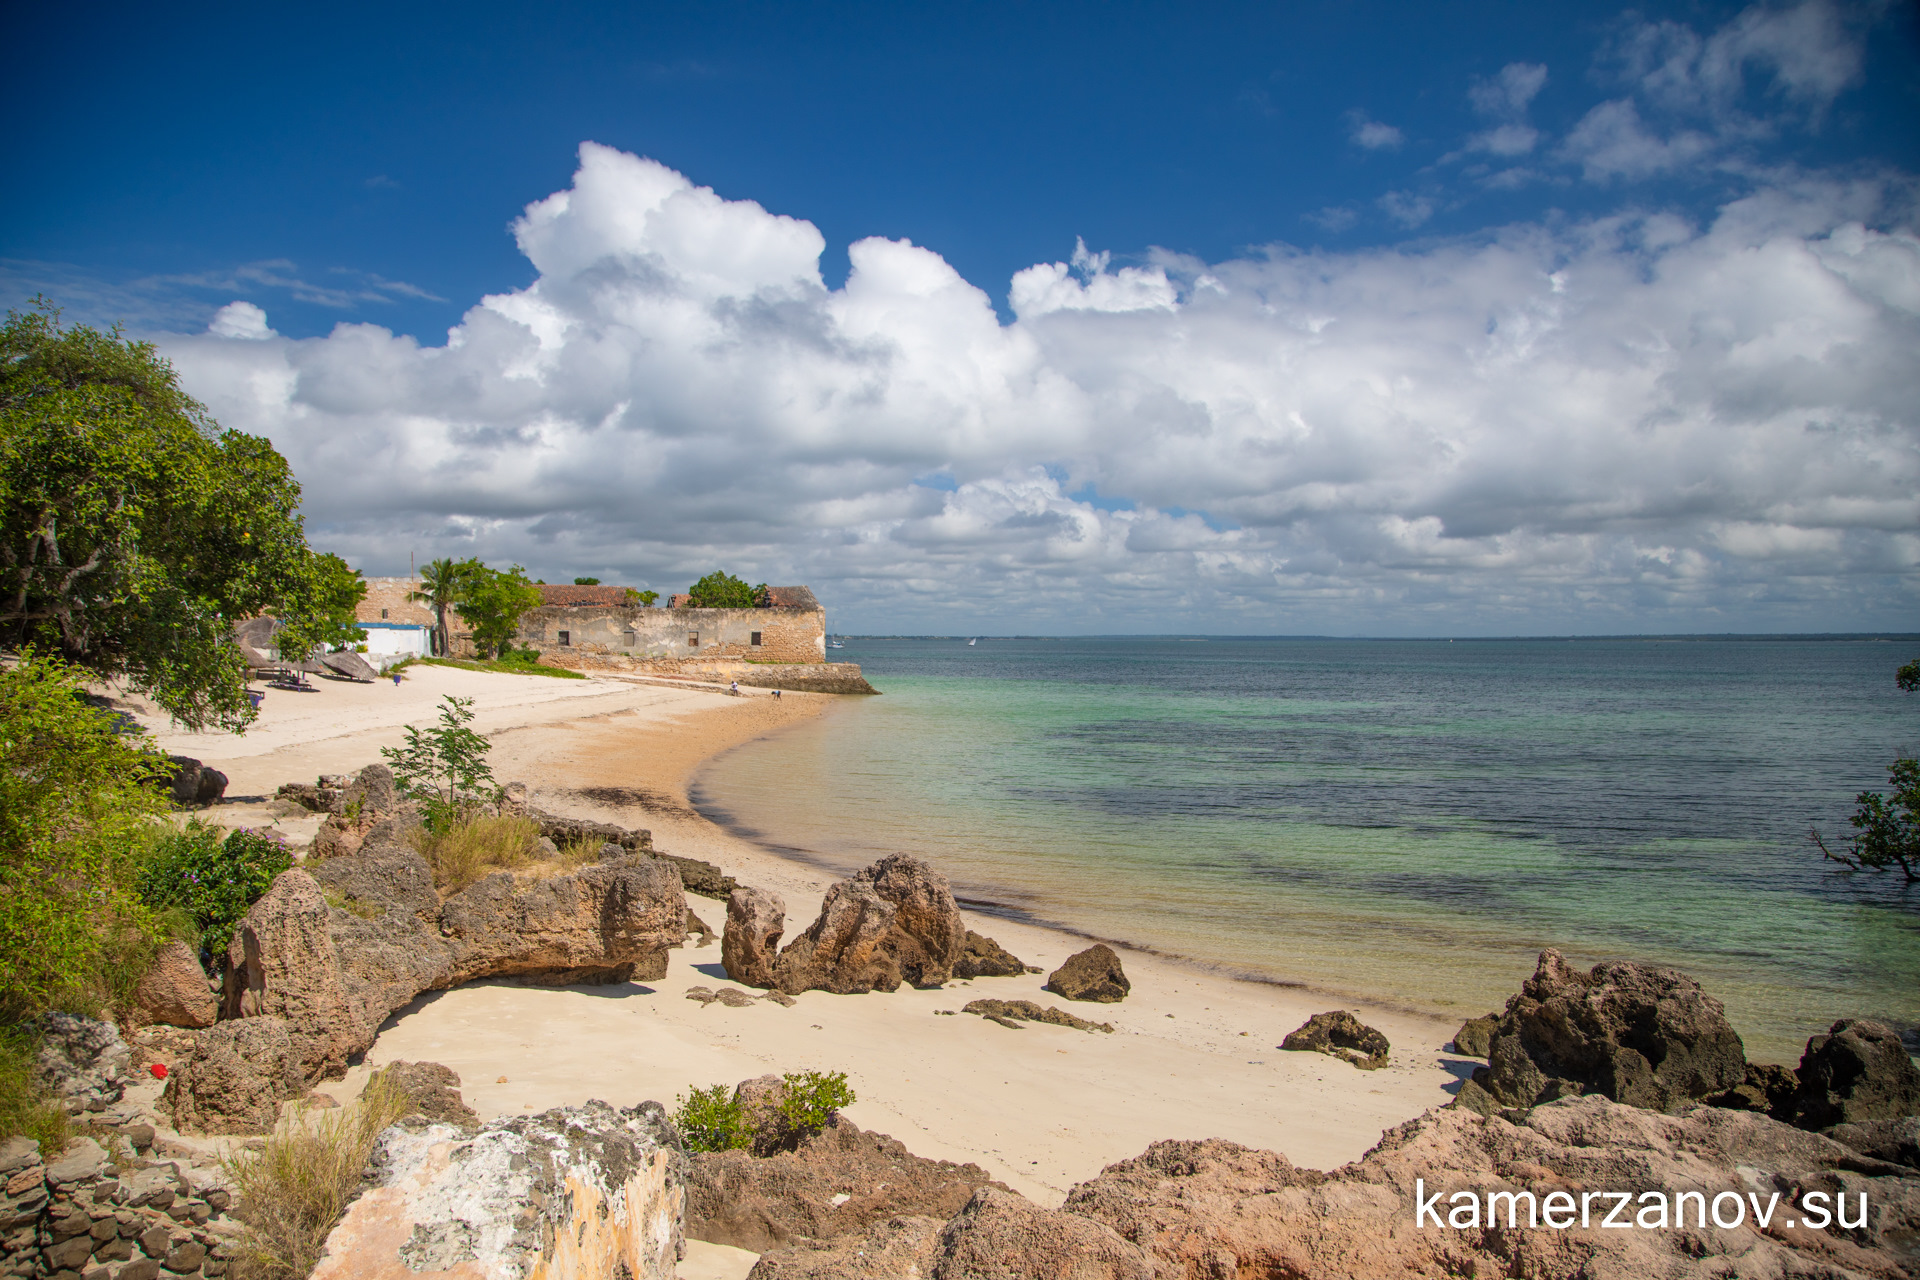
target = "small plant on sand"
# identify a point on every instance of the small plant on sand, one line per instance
(443, 765)
(469, 848)
(711, 1120)
(298, 1184)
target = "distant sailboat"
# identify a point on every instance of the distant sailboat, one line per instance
(835, 642)
(975, 640)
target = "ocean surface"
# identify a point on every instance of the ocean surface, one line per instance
(1408, 821)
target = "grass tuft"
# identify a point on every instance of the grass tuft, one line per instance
(296, 1187)
(24, 1109)
(474, 847)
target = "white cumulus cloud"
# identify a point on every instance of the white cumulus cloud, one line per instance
(1630, 423)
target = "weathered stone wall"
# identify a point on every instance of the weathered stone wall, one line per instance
(387, 602)
(786, 635)
(801, 677)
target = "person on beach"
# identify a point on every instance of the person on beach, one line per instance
(734, 688)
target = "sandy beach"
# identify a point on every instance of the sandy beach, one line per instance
(1192, 1054)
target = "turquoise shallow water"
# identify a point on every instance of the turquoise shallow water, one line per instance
(1403, 820)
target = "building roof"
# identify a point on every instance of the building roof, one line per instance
(791, 598)
(569, 595)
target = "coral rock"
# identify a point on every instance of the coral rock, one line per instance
(237, 1078)
(1639, 1034)
(1340, 1035)
(985, 958)
(83, 1062)
(750, 946)
(1856, 1072)
(1094, 974)
(894, 922)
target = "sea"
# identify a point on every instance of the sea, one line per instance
(1407, 822)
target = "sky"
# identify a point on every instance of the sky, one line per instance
(1326, 318)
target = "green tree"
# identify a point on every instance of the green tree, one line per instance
(133, 531)
(644, 599)
(325, 614)
(443, 764)
(76, 802)
(442, 583)
(721, 590)
(586, 582)
(492, 602)
(1887, 827)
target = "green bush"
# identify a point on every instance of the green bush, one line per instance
(22, 1108)
(811, 1099)
(710, 1120)
(212, 879)
(76, 802)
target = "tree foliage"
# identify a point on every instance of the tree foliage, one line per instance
(443, 764)
(324, 616)
(586, 582)
(76, 801)
(1887, 827)
(721, 590)
(492, 602)
(133, 531)
(441, 583)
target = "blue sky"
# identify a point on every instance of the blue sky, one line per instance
(1343, 350)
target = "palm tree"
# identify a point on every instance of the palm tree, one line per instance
(444, 581)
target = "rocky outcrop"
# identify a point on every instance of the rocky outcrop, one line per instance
(83, 1063)
(806, 677)
(237, 1078)
(333, 953)
(1015, 1011)
(1895, 1141)
(997, 1235)
(192, 784)
(342, 835)
(1339, 1034)
(434, 1091)
(838, 1182)
(1858, 1071)
(1214, 1208)
(573, 1192)
(1639, 1034)
(696, 876)
(1474, 1039)
(174, 990)
(985, 958)
(894, 922)
(1094, 974)
(750, 945)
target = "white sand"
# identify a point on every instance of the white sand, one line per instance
(1193, 1054)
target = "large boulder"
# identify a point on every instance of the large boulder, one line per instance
(894, 922)
(608, 922)
(750, 947)
(985, 958)
(1474, 1039)
(1858, 1071)
(838, 1182)
(282, 963)
(83, 1063)
(434, 1090)
(194, 785)
(1646, 1036)
(1214, 1208)
(174, 991)
(1339, 1034)
(576, 1191)
(237, 1078)
(1094, 974)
